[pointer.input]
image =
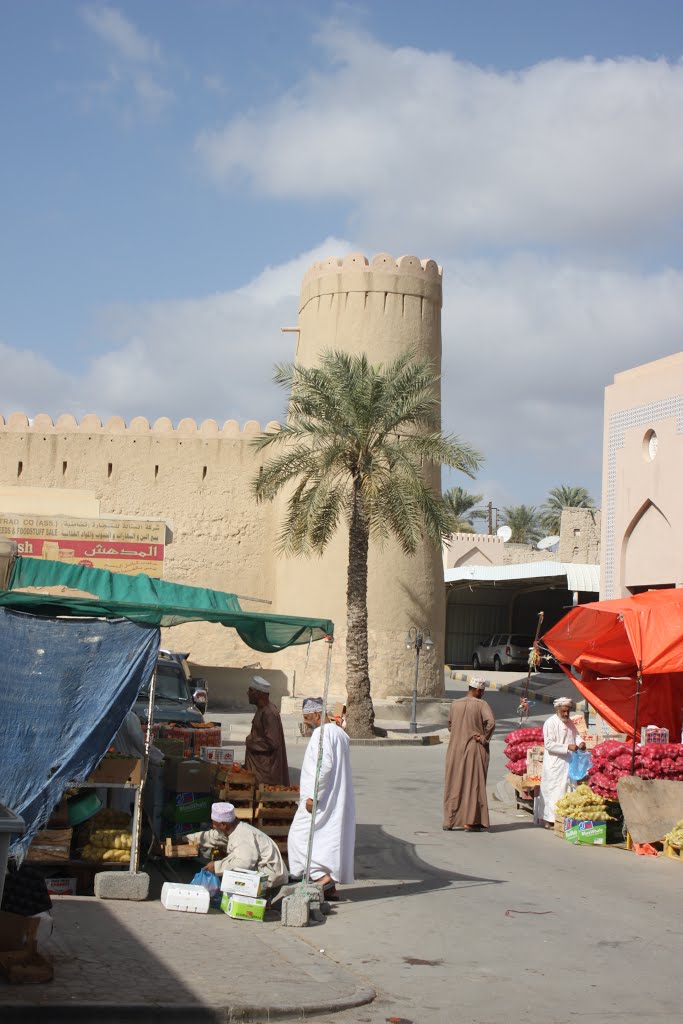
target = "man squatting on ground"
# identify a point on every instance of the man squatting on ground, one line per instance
(560, 739)
(266, 754)
(245, 848)
(334, 835)
(470, 723)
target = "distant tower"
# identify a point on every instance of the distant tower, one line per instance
(380, 309)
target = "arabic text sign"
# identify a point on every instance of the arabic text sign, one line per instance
(121, 545)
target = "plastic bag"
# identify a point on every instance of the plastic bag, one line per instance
(209, 881)
(579, 763)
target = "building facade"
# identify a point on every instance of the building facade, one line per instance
(642, 494)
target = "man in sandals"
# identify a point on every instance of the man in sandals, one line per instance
(470, 723)
(334, 834)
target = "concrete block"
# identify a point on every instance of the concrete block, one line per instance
(121, 885)
(296, 910)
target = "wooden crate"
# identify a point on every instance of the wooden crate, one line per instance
(245, 814)
(224, 774)
(559, 827)
(285, 812)
(674, 852)
(278, 796)
(172, 849)
(275, 831)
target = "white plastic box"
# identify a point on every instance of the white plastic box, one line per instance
(244, 883)
(191, 899)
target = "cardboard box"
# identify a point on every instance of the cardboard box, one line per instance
(244, 883)
(579, 721)
(25, 967)
(189, 899)
(53, 844)
(243, 908)
(172, 829)
(170, 748)
(534, 763)
(654, 734)
(183, 775)
(585, 833)
(17, 932)
(60, 815)
(217, 755)
(62, 886)
(188, 807)
(118, 769)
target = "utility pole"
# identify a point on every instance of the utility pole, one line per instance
(490, 511)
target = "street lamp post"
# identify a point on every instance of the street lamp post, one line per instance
(416, 639)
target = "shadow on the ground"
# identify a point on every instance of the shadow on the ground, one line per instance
(382, 856)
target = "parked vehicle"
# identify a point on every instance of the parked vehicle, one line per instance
(503, 650)
(179, 696)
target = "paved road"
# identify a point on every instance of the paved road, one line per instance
(513, 926)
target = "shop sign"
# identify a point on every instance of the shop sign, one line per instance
(120, 545)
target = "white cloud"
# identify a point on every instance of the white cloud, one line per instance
(132, 64)
(431, 151)
(528, 347)
(120, 34)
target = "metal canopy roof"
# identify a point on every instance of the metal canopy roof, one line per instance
(578, 575)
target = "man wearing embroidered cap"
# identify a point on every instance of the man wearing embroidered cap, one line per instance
(241, 846)
(266, 754)
(560, 739)
(470, 723)
(334, 832)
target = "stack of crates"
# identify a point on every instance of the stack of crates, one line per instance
(237, 788)
(187, 797)
(275, 810)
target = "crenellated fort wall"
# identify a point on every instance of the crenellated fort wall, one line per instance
(198, 478)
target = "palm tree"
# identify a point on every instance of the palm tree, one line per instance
(462, 504)
(524, 522)
(357, 443)
(560, 498)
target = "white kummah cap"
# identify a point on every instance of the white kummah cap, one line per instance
(223, 812)
(312, 705)
(259, 683)
(562, 702)
(477, 683)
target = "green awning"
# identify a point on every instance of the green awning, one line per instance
(153, 602)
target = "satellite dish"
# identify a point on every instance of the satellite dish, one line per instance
(504, 533)
(547, 542)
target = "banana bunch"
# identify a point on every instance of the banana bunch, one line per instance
(583, 805)
(111, 839)
(675, 836)
(107, 818)
(100, 853)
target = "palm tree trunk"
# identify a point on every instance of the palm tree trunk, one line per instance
(360, 714)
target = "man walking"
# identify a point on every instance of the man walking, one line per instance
(560, 739)
(470, 723)
(266, 754)
(334, 835)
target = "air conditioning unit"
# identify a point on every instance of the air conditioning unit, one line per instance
(8, 552)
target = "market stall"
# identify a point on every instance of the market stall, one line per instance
(626, 658)
(125, 608)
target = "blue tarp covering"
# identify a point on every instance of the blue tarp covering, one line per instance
(65, 688)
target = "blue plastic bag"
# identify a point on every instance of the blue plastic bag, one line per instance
(579, 763)
(209, 881)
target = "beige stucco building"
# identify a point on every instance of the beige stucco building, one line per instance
(642, 494)
(197, 477)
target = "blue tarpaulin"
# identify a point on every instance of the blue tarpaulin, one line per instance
(65, 688)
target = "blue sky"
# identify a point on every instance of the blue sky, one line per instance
(169, 170)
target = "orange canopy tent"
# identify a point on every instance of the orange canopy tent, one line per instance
(629, 654)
